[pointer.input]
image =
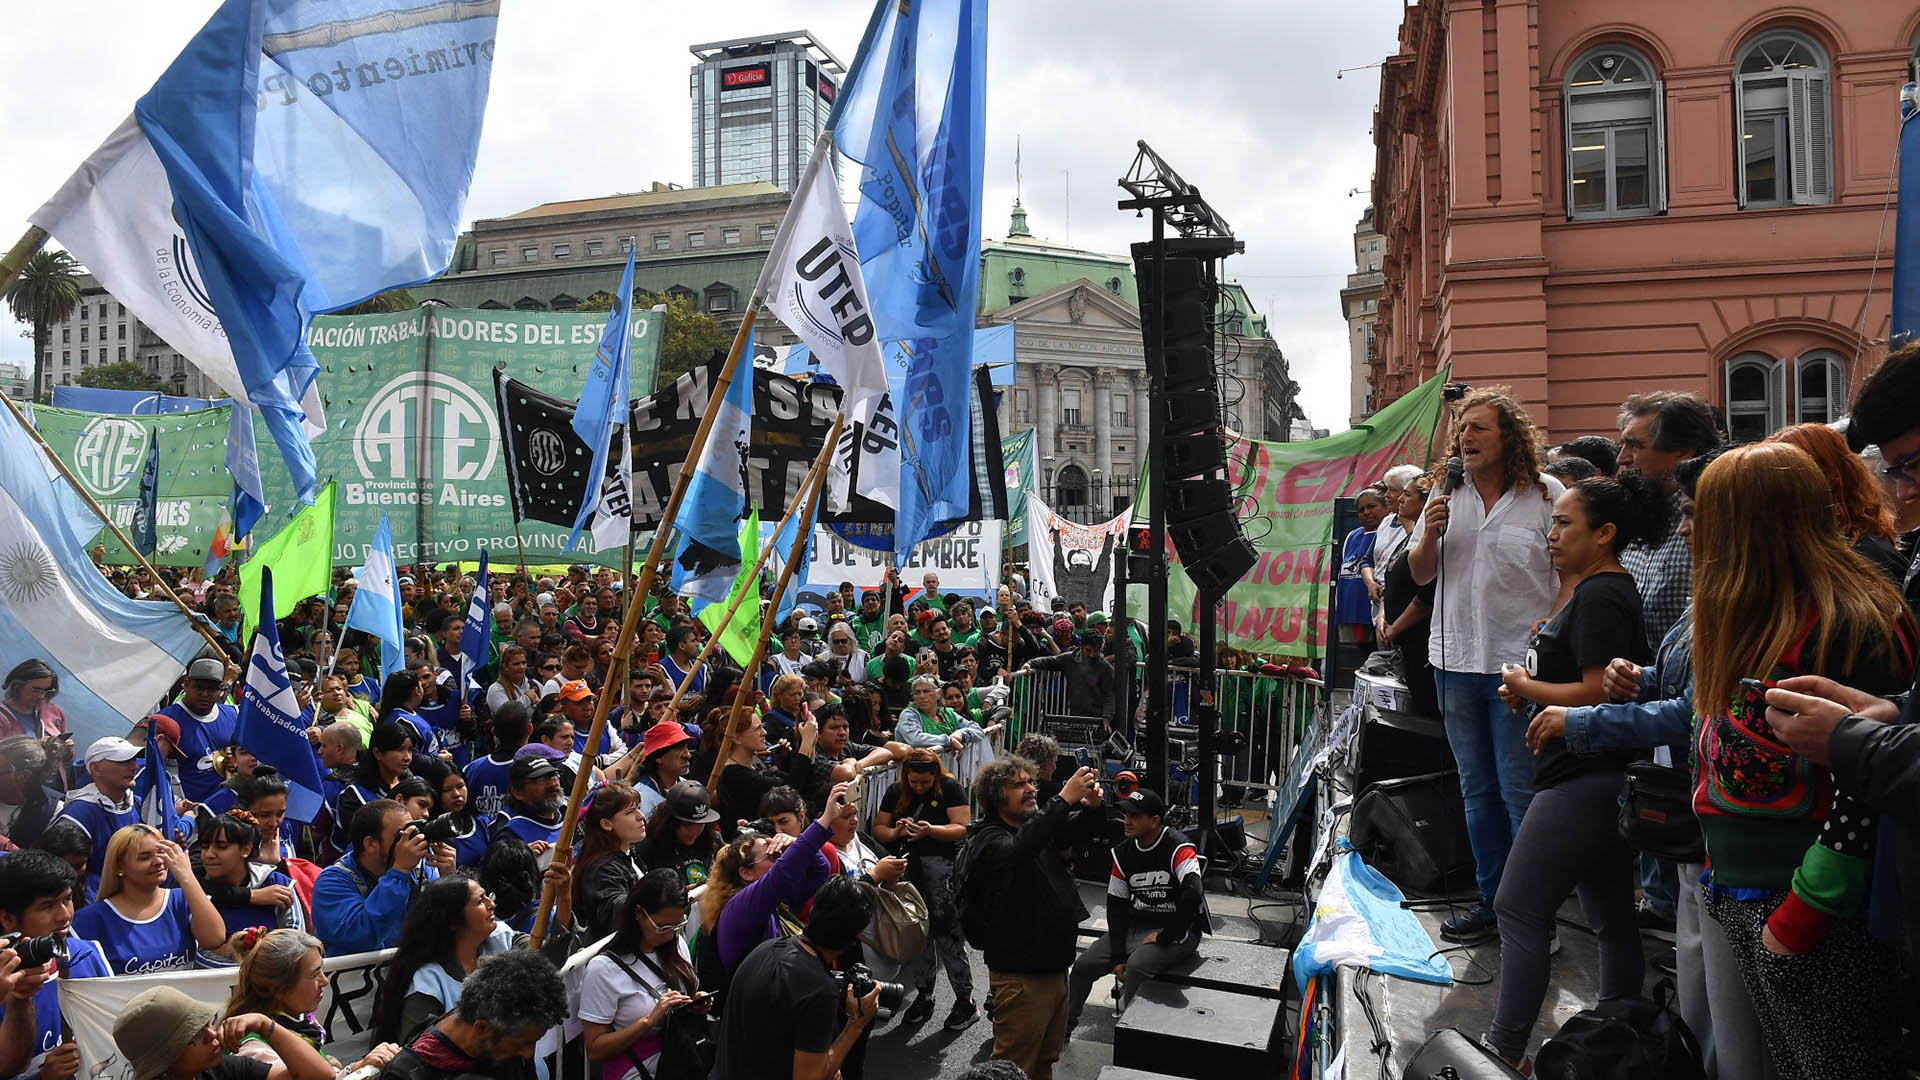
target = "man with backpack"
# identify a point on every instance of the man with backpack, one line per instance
(1018, 905)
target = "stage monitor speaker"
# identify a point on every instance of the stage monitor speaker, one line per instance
(1195, 455)
(1414, 831)
(1238, 967)
(1394, 745)
(1198, 1032)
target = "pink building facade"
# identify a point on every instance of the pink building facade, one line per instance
(1588, 200)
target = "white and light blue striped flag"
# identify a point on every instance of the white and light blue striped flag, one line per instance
(270, 726)
(708, 557)
(600, 419)
(116, 657)
(298, 157)
(376, 601)
(243, 463)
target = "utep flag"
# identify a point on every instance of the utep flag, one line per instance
(600, 420)
(153, 790)
(716, 502)
(912, 113)
(115, 656)
(270, 726)
(547, 463)
(301, 555)
(147, 506)
(298, 157)
(475, 642)
(812, 281)
(376, 601)
(1906, 229)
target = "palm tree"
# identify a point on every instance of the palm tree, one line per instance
(46, 292)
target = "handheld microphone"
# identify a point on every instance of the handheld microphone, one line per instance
(1456, 475)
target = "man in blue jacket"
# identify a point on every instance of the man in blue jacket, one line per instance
(360, 901)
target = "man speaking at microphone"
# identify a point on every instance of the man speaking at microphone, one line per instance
(1484, 537)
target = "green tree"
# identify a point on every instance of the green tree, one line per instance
(125, 375)
(46, 292)
(692, 334)
(385, 303)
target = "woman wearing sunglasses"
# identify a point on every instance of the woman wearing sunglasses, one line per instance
(27, 707)
(633, 989)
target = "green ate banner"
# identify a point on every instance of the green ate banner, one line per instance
(1281, 606)
(411, 432)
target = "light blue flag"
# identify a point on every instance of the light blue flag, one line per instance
(475, 641)
(243, 463)
(782, 548)
(317, 152)
(605, 402)
(912, 114)
(270, 726)
(376, 601)
(153, 790)
(1906, 229)
(708, 557)
(116, 657)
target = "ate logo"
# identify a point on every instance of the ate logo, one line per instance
(455, 423)
(546, 452)
(109, 454)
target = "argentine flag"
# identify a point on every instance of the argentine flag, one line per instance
(376, 601)
(270, 725)
(298, 157)
(116, 657)
(601, 419)
(708, 558)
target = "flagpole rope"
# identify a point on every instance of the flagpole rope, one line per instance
(745, 689)
(74, 482)
(630, 623)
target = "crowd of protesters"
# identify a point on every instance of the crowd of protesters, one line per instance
(1741, 615)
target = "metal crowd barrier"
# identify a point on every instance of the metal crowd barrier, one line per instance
(1273, 711)
(962, 763)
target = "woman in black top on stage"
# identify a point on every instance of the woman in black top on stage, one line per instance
(1407, 610)
(1568, 841)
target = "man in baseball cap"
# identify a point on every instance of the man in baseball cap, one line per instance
(1156, 910)
(535, 802)
(165, 1033)
(688, 803)
(207, 723)
(106, 805)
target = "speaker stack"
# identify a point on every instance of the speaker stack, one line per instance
(1222, 1012)
(1200, 507)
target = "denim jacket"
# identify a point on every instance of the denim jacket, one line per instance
(1662, 715)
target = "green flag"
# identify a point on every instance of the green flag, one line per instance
(742, 635)
(301, 555)
(1017, 451)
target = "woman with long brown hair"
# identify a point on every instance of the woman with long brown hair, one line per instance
(924, 816)
(614, 823)
(1778, 593)
(637, 981)
(1865, 519)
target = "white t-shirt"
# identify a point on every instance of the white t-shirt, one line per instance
(1495, 580)
(610, 996)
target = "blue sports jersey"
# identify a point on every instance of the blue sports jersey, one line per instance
(470, 846)
(83, 962)
(162, 943)
(247, 915)
(198, 740)
(678, 674)
(487, 786)
(99, 819)
(525, 828)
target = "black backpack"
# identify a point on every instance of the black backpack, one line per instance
(1634, 1039)
(971, 899)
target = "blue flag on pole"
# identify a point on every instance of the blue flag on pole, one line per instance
(153, 790)
(708, 558)
(376, 601)
(1906, 229)
(912, 114)
(145, 538)
(475, 641)
(270, 725)
(243, 463)
(605, 403)
(783, 548)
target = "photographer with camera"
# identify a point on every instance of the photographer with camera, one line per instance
(360, 901)
(793, 1014)
(36, 909)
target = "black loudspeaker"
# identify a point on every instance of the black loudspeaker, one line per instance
(1237, 967)
(1197, 496)
(1452, 1055)
(1193, 455)
(1198, 1032)
(1395, 745)
(1414, 831)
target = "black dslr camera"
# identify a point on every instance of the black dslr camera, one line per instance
(36, 951)
(859, 978)
(436, 830)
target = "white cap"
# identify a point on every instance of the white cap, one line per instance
(111, 748)
(807, 625)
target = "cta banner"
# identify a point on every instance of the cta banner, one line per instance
(967, 559)
(1281, 606)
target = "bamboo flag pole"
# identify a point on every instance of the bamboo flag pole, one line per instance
(766, 624)
(726, 618)
(23, 251)
(630, 622)
(158, 581)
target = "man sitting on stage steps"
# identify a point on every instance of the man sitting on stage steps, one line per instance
(1156, 909)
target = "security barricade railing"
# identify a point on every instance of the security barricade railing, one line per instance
(1272, 712)
(961, 764)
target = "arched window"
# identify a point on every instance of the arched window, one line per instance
(1782, 93)
(1765, 394)
(1070, 488)
(1615, 136)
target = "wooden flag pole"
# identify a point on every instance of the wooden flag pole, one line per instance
(766, 624)
(22, 252)
(726, 618)
(74, 481)
(630, 622)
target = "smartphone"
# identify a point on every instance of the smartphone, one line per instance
(1754, 692)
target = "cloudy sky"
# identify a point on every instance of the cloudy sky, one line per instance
(590, 97)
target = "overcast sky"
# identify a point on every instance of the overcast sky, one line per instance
(590, 97)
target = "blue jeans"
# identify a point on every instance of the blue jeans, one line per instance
(1496, 769)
